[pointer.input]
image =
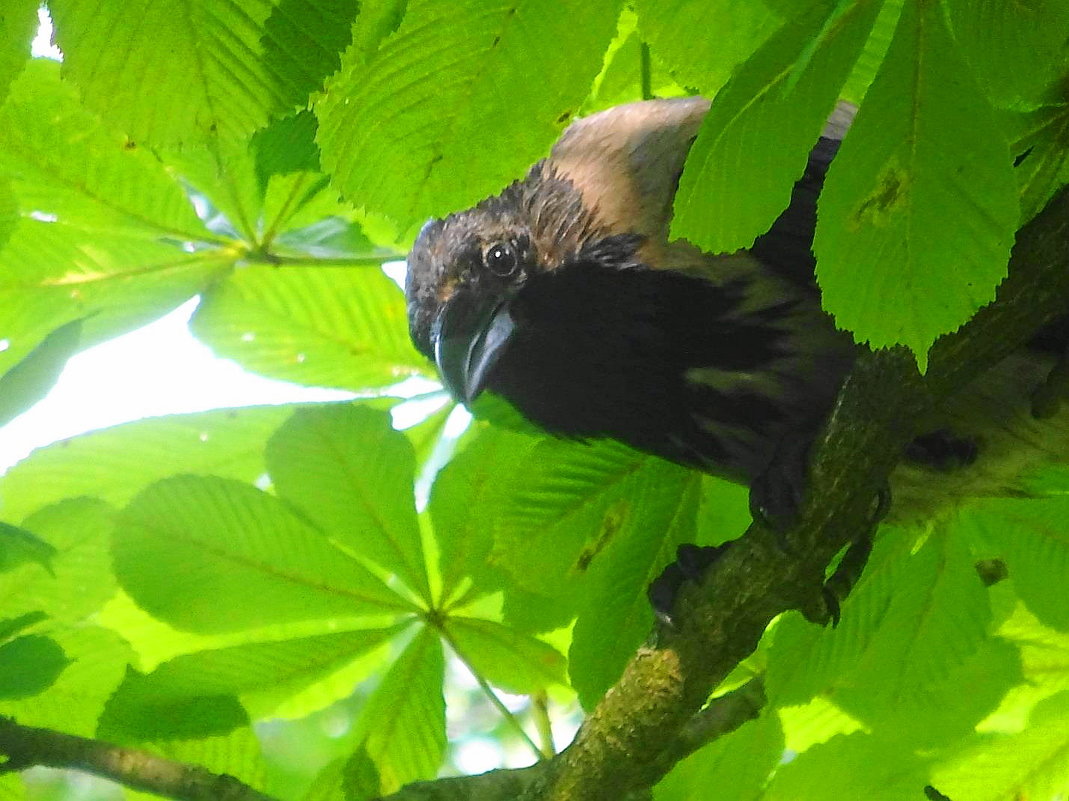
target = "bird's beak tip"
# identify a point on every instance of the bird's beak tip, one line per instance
(470, 335)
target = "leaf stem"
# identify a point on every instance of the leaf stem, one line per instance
(488, 691)
(284, 213)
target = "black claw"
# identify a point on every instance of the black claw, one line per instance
(832, 606)
(692, 561)
(849, 569)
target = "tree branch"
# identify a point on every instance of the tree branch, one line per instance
(27, 747)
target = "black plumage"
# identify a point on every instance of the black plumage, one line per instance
(564, 295)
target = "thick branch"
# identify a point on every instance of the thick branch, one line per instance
(27, 747)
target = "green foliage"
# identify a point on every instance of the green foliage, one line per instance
(746, 755)
(190, 584)
(894, 185)
(482, 56)
(796, 74)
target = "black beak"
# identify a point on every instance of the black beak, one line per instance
(469, 335)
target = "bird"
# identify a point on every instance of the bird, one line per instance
(565, 295)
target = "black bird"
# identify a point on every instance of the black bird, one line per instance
(564, 295)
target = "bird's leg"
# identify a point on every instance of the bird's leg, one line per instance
(776, 495)
(850, 567)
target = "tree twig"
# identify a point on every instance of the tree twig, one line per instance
(26, 747)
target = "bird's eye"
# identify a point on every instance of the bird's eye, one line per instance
(501, 259)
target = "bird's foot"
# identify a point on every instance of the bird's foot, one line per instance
(942, 450)
(690, 565)
(777, 494)
(838, 585)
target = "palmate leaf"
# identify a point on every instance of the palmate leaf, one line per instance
(199, 694)
(182, 73)
(31, 379)
(872, 55)
(17, 25)
(351, 472)
(303, 40)
(105, 232)
(996, 39)
(588, 527)
(1041, 147)
(1031, 764)
(754, 142)
(238, 754)
(116, 463)
(55, 273)
(97, 660)
(925, 149)
(851, 766)
(224, 177)
(286, 145)
(507, 658)
(615, 615)
(576, 500)
(620, 79)
(321, 326)
(912, 633)
(19, 546)
(66, 162)
(737, 764)
(420, 157)
(77, 580)
(1030, 537)
(701, 42)
(1044, 654)
(401, 731)
(9, 209)
(213, 555)
(29, 665)
(467, 490)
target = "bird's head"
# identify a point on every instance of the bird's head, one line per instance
(465, 272)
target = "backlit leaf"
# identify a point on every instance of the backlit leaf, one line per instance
(212, 555)
(925, 148)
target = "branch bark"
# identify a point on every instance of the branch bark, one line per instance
(26, 747)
